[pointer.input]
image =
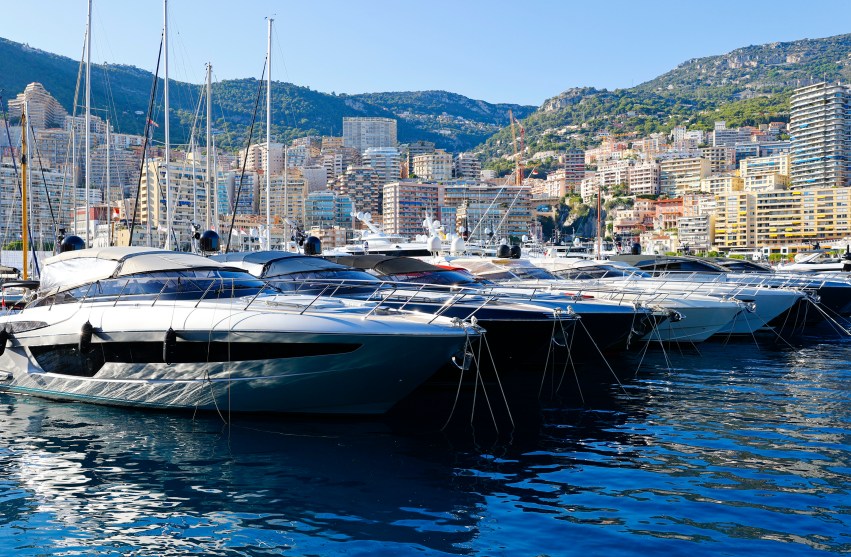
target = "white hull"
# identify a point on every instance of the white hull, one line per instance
(256, 360)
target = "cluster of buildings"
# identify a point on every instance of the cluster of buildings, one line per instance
(317, 183)
(775, 186)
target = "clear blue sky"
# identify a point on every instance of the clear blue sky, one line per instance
(495, 50)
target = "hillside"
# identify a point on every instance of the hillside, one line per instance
(452, 121)
(747, 86)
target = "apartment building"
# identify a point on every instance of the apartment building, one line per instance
(820, 128)
(387, 162)
(326, 209)
(434, 167)
(406, 204)
(643, 178)
(505, 210)
(717, 184)
(782, 216)
(668, 211)
(44, 110)
(721, 159)
(366, 133)
(467, 166)
(773, 164)
(364, 186)
(735, 220)
(679, 176)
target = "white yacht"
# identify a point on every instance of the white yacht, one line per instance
(817, 261)
(160, 329)
(690, 320)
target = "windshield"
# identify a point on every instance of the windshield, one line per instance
(442, 277)
(337, 281)
(189, 284)
(598, 272)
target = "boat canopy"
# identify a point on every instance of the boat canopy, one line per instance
(74, 268)
(387, 265)
(271, 263)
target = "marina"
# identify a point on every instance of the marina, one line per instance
(615, 322)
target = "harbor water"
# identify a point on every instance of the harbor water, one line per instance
(727, 449)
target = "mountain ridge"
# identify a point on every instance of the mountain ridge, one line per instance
(746, 86)
(451, 120)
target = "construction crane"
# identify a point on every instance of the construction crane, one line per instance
(518, 158)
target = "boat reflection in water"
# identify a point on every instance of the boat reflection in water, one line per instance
(101, 480)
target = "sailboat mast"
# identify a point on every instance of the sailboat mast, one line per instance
(269, 141)
(167, 155)
(599, 232)
(88, 118)
(209, 153)
(108, 191)
(24, 223)
(215, 188)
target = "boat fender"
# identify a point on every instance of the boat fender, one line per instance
(85, 344)
(4, 336)
(503, 251)
(169, 346)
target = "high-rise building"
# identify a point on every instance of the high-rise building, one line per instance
(469, 167)
(364, 133)
(386, 161)
(326, 209)
(434, 167)
(363, 185)
(679, 176)
(188, 202)
(820, 127)
(574, 168)
(504, 210)
(44, 111)
(407, 203)
(643, 178)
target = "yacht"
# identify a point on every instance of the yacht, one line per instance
(686, 276)
(151, 328)
(516, 330)
(693, 320)
(702, 316)
(817, 261)
(604, 325)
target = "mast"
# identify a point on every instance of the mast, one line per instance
(168, 208)
(193, 149)
(88, 117)
(215, 188)
(108, 191)
(24, 224)
(269, 141)
(286, 181)
(599, 242)
(209, 155)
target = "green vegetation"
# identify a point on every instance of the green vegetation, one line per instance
(451, 121)
(747, 86)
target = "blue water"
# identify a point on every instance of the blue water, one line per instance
(734, 450)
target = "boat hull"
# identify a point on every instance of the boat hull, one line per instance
(237, 363)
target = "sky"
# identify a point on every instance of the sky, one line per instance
(499, 51)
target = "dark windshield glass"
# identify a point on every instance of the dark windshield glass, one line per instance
(333, 281)
(166, 285)
(446, 277)
(599, 272)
